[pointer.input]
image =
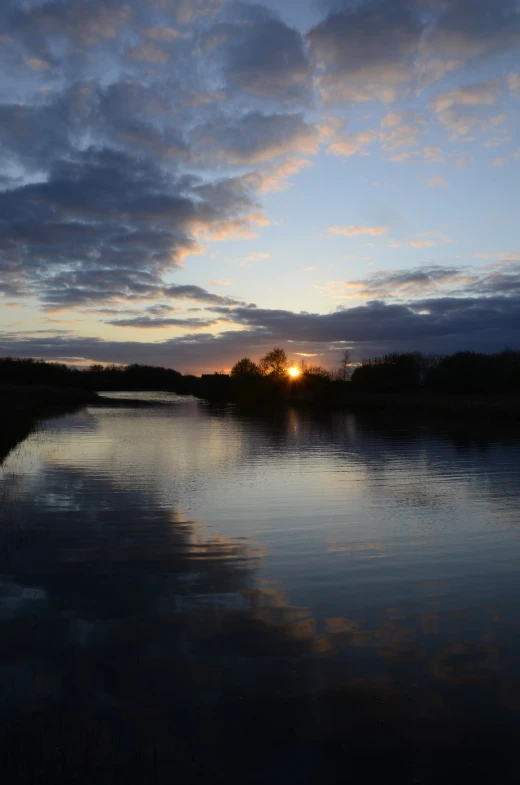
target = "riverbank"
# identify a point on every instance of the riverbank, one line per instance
(495, 407)
(21, 406)
(264, 393)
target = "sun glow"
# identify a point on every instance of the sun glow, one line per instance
(293, 372)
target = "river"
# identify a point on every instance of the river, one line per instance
(191, 592)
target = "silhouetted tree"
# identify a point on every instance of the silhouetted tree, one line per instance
(96, 377)
(245, 367)
(473, 372)
(463, 372)
(316, 371)
(345, 366)
(275, 362)
(393, 372)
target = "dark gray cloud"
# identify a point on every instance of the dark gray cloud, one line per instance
(107, 225)
(471, 28)
(262, 56)
(113, 120)
(406, 283)
(500, 278)
(444, 324)
(191, 292)
(31, 137)
(365, 50)
(149, 322)
(505, 279)
(254, 138)
(124, 116)
(378, 322)
(57, 31)
(373, 49)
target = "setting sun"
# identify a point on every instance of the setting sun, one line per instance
(293, 372)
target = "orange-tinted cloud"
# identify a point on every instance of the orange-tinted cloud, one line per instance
(356, 229)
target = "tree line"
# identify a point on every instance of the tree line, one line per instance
(15, 370)
(276, 363)
(463, 372)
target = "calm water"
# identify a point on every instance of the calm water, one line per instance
(194, 593)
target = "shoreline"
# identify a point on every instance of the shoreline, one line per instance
(471, 407)
(21, 407)
(497, 407)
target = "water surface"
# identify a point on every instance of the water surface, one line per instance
(191, 592)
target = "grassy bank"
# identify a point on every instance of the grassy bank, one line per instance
(22, 406)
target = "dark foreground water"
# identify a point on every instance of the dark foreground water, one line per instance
(189, 594)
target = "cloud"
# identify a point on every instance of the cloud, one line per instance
(364, 53)
(499, 161)
(435, 182)
(134, 135)
(429, 240)
(401, 129)
(442, 324)
(110, 183)
(423, 243)
(276, 178)
(258, 257)
(497, 140)
(479, 94)
(459, 124)
(263, 56)
(148, 322)
(350, 144)
(192, 292)
(494, 121)
(218, 282)
(428, 155)
(79, 25)
(355, 230)
(148, 52)
(401, 136)
(378, 50)
(451, 107)
(500, 278)
(162, 33)
(468, 29)
(243, 228)
(409, 283)
(37, 64)
(108, 226)
(72, 32)
(462, 160)
(513, 83)
(253, 138)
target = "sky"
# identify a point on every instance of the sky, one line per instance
(187, 182)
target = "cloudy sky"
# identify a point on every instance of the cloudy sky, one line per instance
(183, 182)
